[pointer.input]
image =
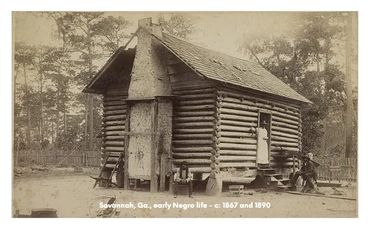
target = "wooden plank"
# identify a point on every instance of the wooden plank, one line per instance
(238, 152)
(233, 128)
(192, 161)
(114, 128)
(196, 96)
(193, 136)
(238, 134)
(193, 142)
(224, 116)
(114, 143)
(283, 139)
(238, 106)
(114, 118)
(191, 91)
(191, 149)
(287, 130)
(238, 123)
(237, 140)
(114, 123)
(189, 108)
(235, 146)
(192, 155)
(282, 134)
(195, 102)
(194, 119)
(237, 165)
(193, 113)
(192, 124)
(114, 112)
(192, 130)
(238, 112)
(237, 158)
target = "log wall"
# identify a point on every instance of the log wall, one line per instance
(237, 113)
(193, 128)
(113, 126)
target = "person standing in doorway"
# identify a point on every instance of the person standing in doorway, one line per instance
(262, 144)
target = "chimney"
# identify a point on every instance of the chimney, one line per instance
(150, 110)
(149, 76)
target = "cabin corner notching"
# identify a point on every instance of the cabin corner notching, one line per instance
(167, 101)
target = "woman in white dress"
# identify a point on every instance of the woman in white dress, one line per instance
(262, 144)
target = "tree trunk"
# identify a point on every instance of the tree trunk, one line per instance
(349, 101)
(28, 130)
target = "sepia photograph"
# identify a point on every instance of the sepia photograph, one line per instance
(250, 114)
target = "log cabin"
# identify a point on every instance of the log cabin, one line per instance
(167, 100)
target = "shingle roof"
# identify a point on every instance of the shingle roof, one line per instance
(225, 68)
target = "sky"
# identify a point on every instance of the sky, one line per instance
(221, 31)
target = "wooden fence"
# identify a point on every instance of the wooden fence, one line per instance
(338, 169)
(58, 158)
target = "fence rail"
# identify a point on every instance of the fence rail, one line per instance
(338, 169)
(58, 158)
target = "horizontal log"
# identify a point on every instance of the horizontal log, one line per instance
(238, 112)
(236, 146)
(191, 149)
(285, 125)
(113, 153)
(112, 160)
(114, 149)
(114, 112)
(192, 155)
(193, 131)
(193, 124)
(284, 115)
(240, 101)
(120, 107)
(287, 130)
(114, 117)
(237, 123)
(282, 134)
(193, 142)
(112, 137)
(195, 102)
(200, 107)
(196, 96)
(228, 93)
(237, 106)
(193, 91)
(239, 134)
(280, 119)
(279, 148)
(114, 97)
(118, 132)
(114, 143)
(283, 139)
(237, 158)
(224, 116)
(287, 144)
(232, 128)
(192, 161)
(114, 123)
(196, 169)
(114, 103)
(237, 165)
(194, 119)
(193, 136)
(194, 113)
(238, 152)
(113, 128)
(237, 140)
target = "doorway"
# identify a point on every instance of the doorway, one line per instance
(263, 138)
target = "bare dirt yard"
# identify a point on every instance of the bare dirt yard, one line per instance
(73, 196)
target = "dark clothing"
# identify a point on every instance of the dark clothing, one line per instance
(183, 177)
(189, 184)
(309, 175)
